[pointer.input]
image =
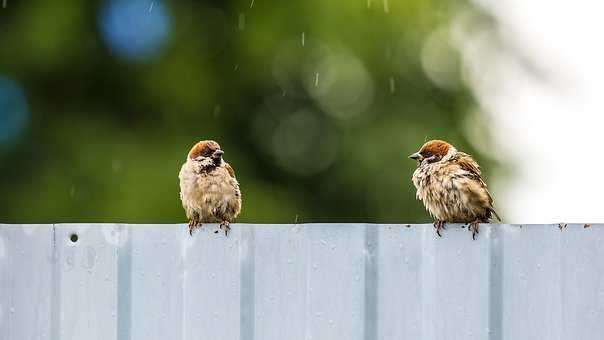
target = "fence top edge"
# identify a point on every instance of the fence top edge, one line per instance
(315, 224)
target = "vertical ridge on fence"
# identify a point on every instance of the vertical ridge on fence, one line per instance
(55, 284)
(371, 251)
(247, 295)
(124, 282)
(495, 235)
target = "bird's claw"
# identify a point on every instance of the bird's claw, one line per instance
(439, 225)
(474, 228)
(225, 226)
(193, 224)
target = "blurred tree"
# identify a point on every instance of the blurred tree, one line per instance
(317, 104)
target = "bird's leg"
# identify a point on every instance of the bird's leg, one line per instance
(439, 225)
(225, 226)
(193, 224)
(474, 226)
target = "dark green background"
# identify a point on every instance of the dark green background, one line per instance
(107, 136)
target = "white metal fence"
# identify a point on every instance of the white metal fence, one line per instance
(304, 281)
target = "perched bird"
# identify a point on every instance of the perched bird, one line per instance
(448, 182)
(209, 190)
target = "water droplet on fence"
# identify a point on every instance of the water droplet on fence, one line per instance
(303, 38)
(331, 322)
(12, 310)
(318, 314)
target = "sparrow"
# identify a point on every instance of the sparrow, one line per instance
(449, 184)
(209, 190)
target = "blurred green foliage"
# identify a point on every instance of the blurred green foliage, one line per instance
(316, 103)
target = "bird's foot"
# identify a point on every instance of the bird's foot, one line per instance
(439, 225)
(474, 227)
(225, 225)
(193, 224)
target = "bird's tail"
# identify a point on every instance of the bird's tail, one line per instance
(496, 215)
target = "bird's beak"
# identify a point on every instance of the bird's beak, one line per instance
(416, 156)
(218, 153)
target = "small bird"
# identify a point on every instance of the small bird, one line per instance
(209, 190)
(448, 182)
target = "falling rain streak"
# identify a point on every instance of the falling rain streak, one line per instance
(4, 3)
(368, 3)
(303, 39)
(391, 81)
(252, 4)
(241, 21)
(386, 7)
(316, 79)
(151, 7)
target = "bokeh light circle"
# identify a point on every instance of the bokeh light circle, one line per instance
(14, 114)
(135, 30)
(304, 144)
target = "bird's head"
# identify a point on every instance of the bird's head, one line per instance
(207, 153)
(432, 151)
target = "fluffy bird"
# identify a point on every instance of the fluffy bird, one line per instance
(448, 182)
(209, 190)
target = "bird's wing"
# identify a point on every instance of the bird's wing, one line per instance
(467, 163)
(229, 169)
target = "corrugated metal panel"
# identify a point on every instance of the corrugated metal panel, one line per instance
(305, 281)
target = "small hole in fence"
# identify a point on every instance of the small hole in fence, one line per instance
(73, 238)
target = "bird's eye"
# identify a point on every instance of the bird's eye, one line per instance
(207, 153)
(427, 154)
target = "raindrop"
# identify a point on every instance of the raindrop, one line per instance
(392, 88)
(252, 4)
(241, 21)
(368, 3)
(316, 79)
(315, 266)
(236, 67)
(72, 192)
(151, 7)
(289, 261)
(386, 7)
(331, 322)
(216, 110)
(12, 310)
(212, 275)
(406, 260)
(323, 242)
(318, 314)
(303, 38)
